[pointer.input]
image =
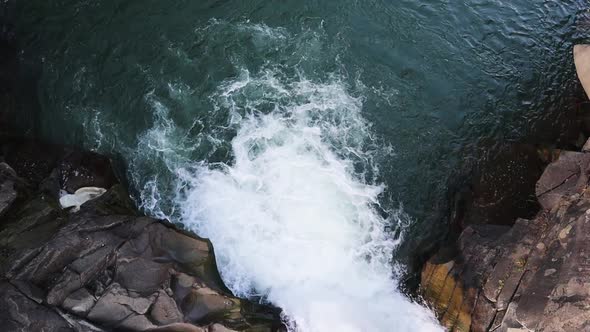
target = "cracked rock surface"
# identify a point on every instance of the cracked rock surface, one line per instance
(531, 276)
(105, 267)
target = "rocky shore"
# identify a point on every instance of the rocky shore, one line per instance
(525, 274)
(104, 267)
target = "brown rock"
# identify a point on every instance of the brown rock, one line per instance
(165, 311)
(533, 277)
(582, 62)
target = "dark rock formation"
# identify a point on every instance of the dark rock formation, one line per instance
(532, 276)
(105, 267)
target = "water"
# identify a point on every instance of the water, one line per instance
(308, 140)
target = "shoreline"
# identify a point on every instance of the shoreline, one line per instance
(105, 266)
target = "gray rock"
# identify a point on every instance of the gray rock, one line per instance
(117, 305)
(79, 302)
(566, 176)
(19, 313)
(8, 192)
(165, 311)
(85, 169)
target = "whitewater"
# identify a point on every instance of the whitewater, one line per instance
(291, 220)
(294, 213)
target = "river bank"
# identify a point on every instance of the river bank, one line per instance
(103, 267)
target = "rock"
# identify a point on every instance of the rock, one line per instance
(532, 276)
(582, 62)
(42, 164)
(104, 267)
(502, 187)
(8, 192)
(79, 302)
(80, 197)
(116, 305)
(80, 169)
(119, 271)
(219, 328)
(178, 327)
(19, 313)
(165, 311)
(182, 327)
(567, 175)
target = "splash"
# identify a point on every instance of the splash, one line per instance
(291, 217)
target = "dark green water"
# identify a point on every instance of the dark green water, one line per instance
(402, 93)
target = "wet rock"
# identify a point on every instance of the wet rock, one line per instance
(80, 169)
(218, 328)
(502, 186)
(105, 267)
(79, 302)
(19, 313)
(43, 164)
(178, 327)
(118, 305)
(165, 311)
(534, 275)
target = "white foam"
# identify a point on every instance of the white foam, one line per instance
(290, 219)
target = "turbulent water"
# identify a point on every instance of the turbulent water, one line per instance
(292, 134)
(291, 219)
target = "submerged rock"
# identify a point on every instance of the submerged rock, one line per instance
(108, 268)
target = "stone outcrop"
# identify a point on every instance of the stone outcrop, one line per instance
(104, 267)
(531, 276)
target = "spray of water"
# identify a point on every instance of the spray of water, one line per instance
(290, 218)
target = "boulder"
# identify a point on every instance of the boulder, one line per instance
(8, 192)
(582, 62)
